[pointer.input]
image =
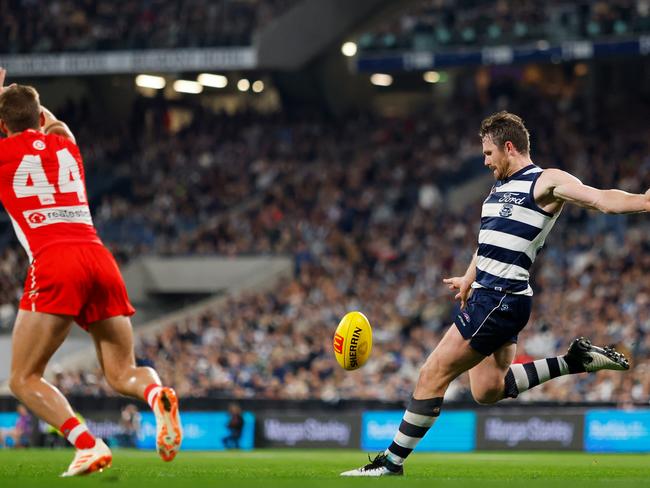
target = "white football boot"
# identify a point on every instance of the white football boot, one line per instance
(380, 466)
(592, 358)
(88, 461)
(169, 433)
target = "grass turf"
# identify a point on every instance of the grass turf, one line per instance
(320, 468)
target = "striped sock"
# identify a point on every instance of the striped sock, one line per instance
(151, 393)
(522, 377)
(77, 434)
(420, 415)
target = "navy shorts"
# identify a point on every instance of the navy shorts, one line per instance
(491, 319)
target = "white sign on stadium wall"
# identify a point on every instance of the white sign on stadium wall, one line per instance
(154, 60)
(530, 431)
(320, 430)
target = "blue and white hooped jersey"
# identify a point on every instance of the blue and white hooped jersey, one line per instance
(513, 231)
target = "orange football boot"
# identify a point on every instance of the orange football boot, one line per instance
(169, 433)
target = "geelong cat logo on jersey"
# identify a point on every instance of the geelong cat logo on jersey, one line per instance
(506, 210)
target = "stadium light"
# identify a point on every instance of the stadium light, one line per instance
(213, 81)
(149, 81)
(243, 85)
(431, 77)
(381, 79)
(258, 86)
(581, 69)
(349, 49)
(187, 86)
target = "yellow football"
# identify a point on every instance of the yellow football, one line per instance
(353, 341)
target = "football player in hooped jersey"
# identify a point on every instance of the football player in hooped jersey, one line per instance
(72, 278)
(495, 295)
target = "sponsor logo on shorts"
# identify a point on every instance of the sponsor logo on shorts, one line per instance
(338, 343)
(79, 214)
(463, 318)
(38, 145)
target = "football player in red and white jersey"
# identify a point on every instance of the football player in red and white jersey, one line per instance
(72, 278)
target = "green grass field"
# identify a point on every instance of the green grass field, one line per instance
(316, 468)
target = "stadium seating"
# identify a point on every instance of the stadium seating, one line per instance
(440, 24)
(368, 230)
(42, 26)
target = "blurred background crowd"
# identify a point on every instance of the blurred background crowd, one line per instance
(369, 228)
(366, 202)
(440, 24)
(93, 25)
(41, 26)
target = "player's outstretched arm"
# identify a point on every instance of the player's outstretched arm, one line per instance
(52, 125)
(565, 187)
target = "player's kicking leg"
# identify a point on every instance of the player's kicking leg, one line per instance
(492, 378)
(36, 336)
(114, 343)
(495, 379)
(451, 357)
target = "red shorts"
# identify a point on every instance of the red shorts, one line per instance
(81, 280)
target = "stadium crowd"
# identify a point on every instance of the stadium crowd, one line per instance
(41, 26)
(431, 24)
(368, 230)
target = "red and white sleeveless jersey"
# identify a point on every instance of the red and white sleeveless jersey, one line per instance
(43, 189)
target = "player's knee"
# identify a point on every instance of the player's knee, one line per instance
(123, 380)
(117, 380)
(14, 385)
(488, 396)
(18, 383)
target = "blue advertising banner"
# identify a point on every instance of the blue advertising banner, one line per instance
(201, 431)
(8, 420)
(500, 55)
(7, 424)
(617, 431)
(452, 432)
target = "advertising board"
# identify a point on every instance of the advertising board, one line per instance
(452, 432)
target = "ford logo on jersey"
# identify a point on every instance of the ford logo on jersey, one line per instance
(506, 210)
(512, 198)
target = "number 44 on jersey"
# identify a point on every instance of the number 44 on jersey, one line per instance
(31, 171)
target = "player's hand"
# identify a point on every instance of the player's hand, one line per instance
(3, 74)
(463, 286)
(647, 201)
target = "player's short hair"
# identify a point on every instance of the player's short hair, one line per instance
(504, 126)
(20, 108)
